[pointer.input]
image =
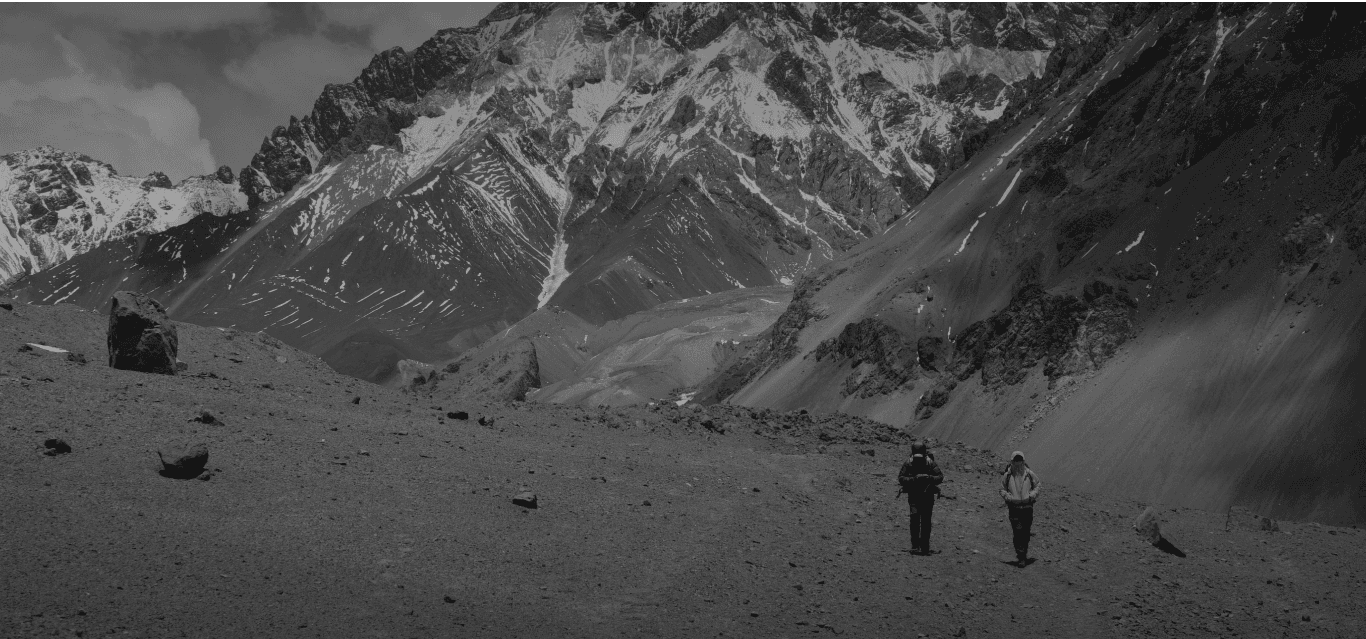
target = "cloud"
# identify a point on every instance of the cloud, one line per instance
(165, 16)
(292, 71)
(138, 130)
(405, 25)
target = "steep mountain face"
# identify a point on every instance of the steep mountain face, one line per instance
(1149, 284)
(598, 158)
(56, 205)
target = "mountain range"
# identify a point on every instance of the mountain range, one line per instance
(598, 158)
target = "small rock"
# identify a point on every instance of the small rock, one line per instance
(56, 446)
(7, 305)
(525, 499)
(645, 503)
(205, 417)
(268, 386)
(448, 599)
(25, 348)
(485, 420)
(962, 631)
(1270, 525)
(184, 459)
(355, 401)
(182, 366)
(458, 414)
(281, 359)
(77, 358)
(205, 476)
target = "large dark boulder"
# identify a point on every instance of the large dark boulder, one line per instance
(141, 337)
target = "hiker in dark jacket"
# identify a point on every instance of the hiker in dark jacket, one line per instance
(920, 478)
(1020, 489)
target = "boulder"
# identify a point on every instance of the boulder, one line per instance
(56, 446)
(183, 459)
(141, 338)
(525, 499)
(1147, 526)
(412, 373)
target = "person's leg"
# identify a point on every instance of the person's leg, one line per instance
(1016, 526)
(926, 523)
(911, 522)
(917, 543)
(1027, 523)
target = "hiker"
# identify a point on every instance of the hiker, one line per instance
(1020, 488)
(920, 478)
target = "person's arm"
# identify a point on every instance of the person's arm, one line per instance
(1034, 486)
(1005, 487)
(904, 477)
(936, 476)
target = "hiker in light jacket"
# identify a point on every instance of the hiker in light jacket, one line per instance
(920, 478)
(1020, 489)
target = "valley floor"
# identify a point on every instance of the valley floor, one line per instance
(386, 518)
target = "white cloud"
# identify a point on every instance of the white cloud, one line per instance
(405, 25)
(138, 130)
(166, 16)
(293, 71)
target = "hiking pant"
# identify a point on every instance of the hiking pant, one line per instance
(1021, 519)
(922, 512)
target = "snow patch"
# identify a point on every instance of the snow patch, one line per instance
(50, 349)
(1009, 188)
(1131, 245)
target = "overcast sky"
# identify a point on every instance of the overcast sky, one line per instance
(183, 88)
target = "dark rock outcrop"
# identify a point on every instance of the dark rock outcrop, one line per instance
(882, 358)
(141, 338)
(157, 180)
(505, 376)
(1069, 335)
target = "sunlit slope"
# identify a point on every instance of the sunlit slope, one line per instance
(1151, 287)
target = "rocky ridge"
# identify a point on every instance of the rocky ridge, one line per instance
(55, 205)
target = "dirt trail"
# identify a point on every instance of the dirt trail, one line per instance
(326, 518)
